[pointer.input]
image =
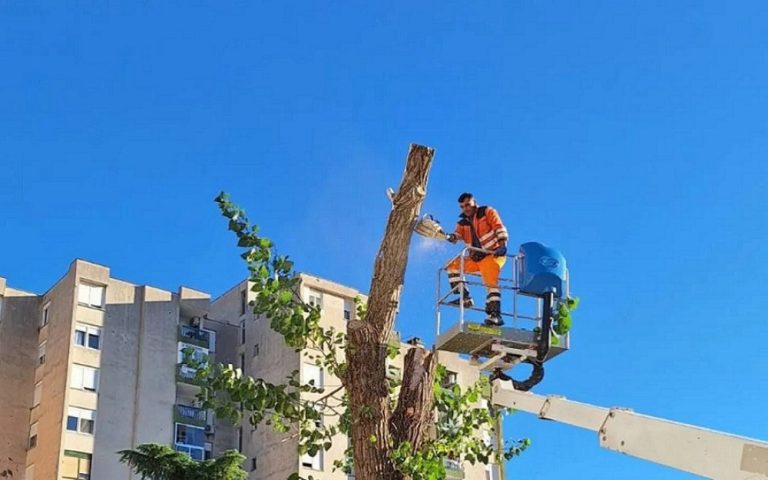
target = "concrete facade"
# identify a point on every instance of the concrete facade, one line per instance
(108, 377)
(91, 367)
(264, 355)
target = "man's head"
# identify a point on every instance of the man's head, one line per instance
(467, 204)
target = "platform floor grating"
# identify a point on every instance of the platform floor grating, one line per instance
(476, 339)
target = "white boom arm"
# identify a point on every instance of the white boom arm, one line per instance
(696, 450)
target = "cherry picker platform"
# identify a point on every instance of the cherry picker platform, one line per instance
(538, 280)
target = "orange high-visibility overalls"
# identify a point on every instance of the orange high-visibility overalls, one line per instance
(489, 231)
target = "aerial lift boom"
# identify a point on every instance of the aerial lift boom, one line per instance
(539, 274)
(708, 453)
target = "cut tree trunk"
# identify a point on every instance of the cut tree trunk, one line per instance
(413, 414)
(365, 380)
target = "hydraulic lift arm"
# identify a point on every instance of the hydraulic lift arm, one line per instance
(696, 450)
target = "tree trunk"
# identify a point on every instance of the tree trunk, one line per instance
(414, 408)
(365, 380)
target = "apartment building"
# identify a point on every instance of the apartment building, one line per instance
(90, 367)
(262, 354)
(93, 366)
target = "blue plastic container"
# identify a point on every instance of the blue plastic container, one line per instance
(542, 270)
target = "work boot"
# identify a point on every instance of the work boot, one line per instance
(468, 302)
(493, 309)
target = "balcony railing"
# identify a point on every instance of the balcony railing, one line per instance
(189, 415)
(194, 336)
(453, 469)
(186, 374)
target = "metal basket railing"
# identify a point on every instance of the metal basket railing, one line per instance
(519, 316)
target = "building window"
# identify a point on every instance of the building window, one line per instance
(319, 420)
(76, 466)
(347, 310)
(315, 463)
(450, 379)
(453, 464)
(80, 420)
(38, 394)
(210, 421)
(84, 378)
(315, 299)
(242, 363)
(253, 464)
(44, 317)
(33, 435)
(211, 340)
(243, 302)
(256, 350)
(91, 295)
(190, 440)
(41, 353)
(240, 440)
(312, 374)
(492, 471)
(88, 336)
(242, 332)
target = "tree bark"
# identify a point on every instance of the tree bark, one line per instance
(365, 380)
(414, 408)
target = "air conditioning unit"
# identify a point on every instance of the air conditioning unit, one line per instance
(208, 428)
(195, 322)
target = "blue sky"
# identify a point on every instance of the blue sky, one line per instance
(630, 135)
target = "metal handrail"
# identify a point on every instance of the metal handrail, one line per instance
(514, 280)
(510, 284)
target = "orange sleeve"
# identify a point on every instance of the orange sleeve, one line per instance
(494, 220)
(463, 233)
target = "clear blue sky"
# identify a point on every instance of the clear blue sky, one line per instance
(631, 135)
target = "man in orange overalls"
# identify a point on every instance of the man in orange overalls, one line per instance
(481, 228)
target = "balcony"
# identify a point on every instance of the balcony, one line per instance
(194, 336)
(186, 374)
(453, 469)
(189, 415)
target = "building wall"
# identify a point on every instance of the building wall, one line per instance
(335, 298)
(54, 375)
(226, 318)
(18, 350)
(116, 361)
(265, 356)
(227, 336)
(137, 359)
(466, 376)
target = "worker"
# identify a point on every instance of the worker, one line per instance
(481, 228)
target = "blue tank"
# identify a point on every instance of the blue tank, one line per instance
(542, 270)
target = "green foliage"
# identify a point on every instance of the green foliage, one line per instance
(160, 462)
(275, 285)
(562, 317)
(285, 408)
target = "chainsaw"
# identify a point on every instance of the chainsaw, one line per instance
(428, 227)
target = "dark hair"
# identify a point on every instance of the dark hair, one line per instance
(465, 196)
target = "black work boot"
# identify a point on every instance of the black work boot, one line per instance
(468, 302)
(493, 309)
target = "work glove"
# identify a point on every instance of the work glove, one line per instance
(500, 252)
(452, 237)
